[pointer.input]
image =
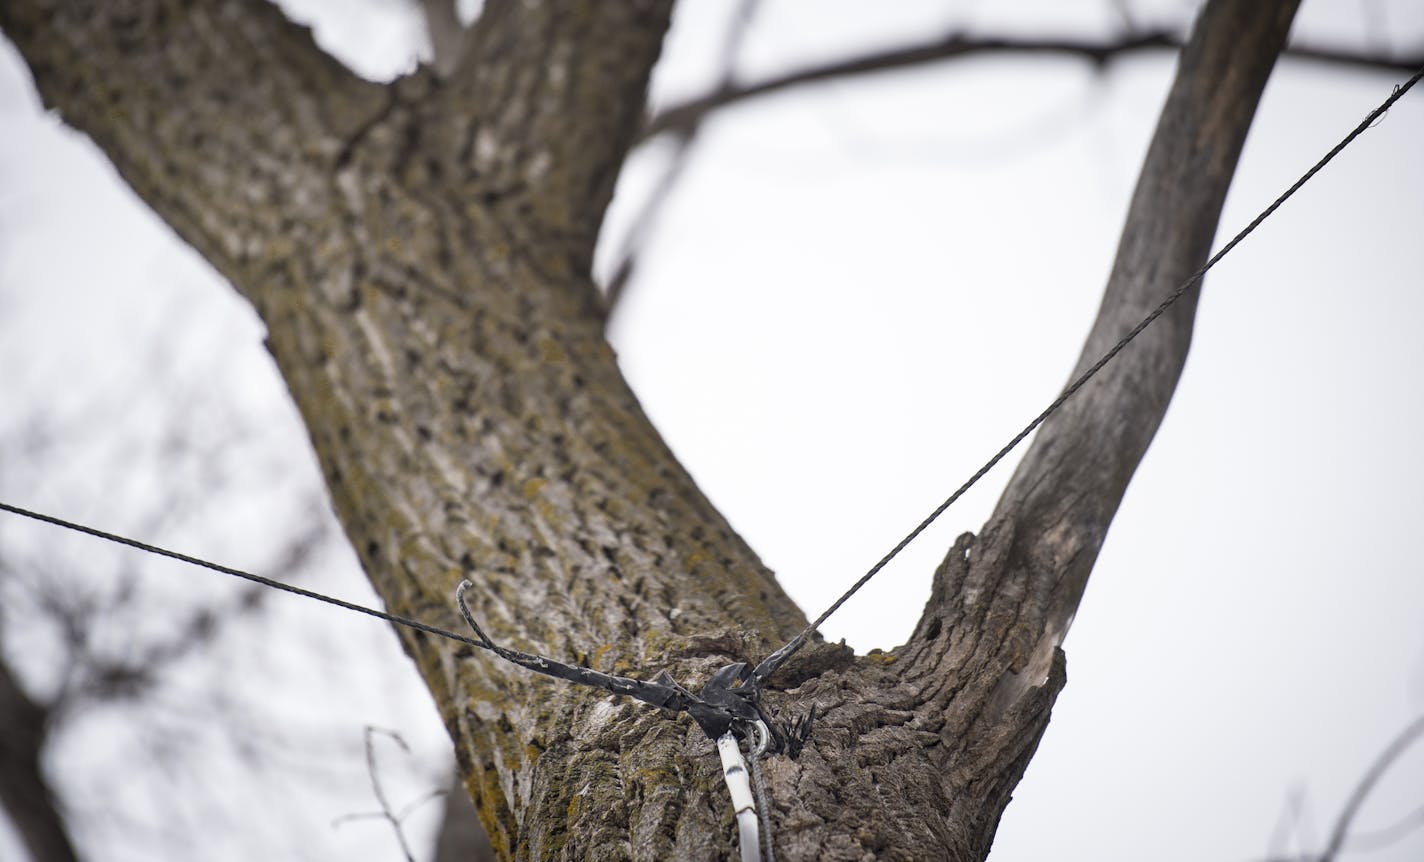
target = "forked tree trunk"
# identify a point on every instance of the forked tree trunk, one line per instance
(420, 253)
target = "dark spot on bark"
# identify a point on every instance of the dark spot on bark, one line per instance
(467, 562)
(423, 433)
(352, 299)
(932, 629)
(504, 724)
(373, 548)
(462, 753)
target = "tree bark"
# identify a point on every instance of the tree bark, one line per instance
(420, 254)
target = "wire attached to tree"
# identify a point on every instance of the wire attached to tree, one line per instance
(731, 697)
(239, 573)
(729, 705)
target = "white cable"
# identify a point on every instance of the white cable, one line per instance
(734, 770)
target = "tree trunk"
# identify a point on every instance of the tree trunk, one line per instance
(24, 791)
(420, 253)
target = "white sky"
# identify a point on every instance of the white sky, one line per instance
(859, 293)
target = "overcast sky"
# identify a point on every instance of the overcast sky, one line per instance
(859, 292)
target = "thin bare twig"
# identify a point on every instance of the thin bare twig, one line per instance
(1295, 822)
(1386, 759)
(637, 237)
(397, 820)
(679, 118)
(1381, 838)
(1340, 837)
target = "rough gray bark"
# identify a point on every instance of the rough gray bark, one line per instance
(420, 254)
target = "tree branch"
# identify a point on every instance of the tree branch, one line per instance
(1341, 839)
(986, 652)
(626, 260)
(446, 34)
(25, 792)
(1098, 52)
(541, 134)
(1069, 484)
(160, 84)
(1382, 763)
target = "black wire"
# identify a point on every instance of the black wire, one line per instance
(769, 665)
(239, 573)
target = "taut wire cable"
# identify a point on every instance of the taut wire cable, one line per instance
(769, 665)
(239, 573)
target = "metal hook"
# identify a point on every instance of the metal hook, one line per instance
(763, 738)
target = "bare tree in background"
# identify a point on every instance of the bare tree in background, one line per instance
(86, 639)
(420, 253)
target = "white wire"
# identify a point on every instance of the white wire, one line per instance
(734, 770)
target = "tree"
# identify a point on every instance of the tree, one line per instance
(420, 254)
(93, 650)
